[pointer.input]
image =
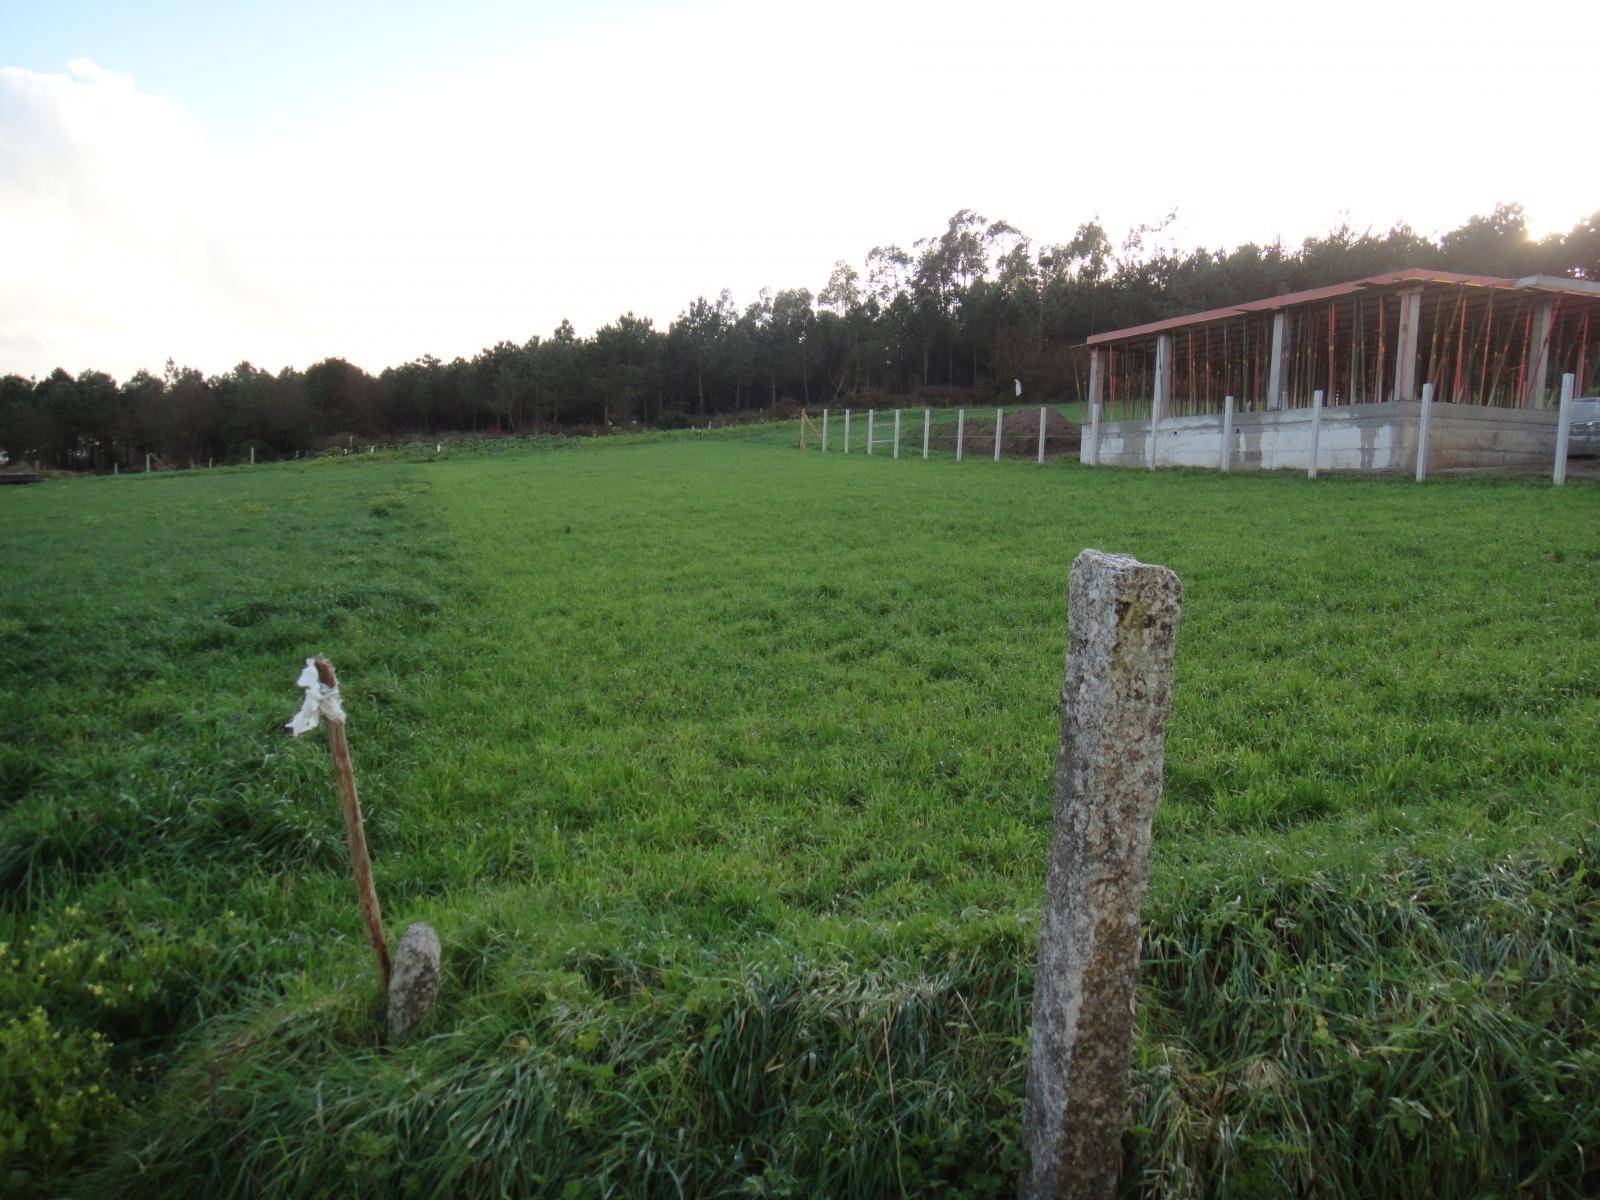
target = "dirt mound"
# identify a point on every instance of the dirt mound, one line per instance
(1019, 434)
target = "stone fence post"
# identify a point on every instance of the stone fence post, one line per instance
(1115, 697)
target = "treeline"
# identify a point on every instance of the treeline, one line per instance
(958, 315)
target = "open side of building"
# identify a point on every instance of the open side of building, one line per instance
(1336, 377)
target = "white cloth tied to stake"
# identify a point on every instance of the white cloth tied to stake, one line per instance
(320, 702)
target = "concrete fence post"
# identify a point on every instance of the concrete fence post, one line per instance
(147, 464)
(1425, 413)
(824, 431)
(1227, 432)
(896, 433)
(1122, 619)
(1569, 384)
(1316, 432)
(872, 414)
(847, 431)
(999, 429)
(927, 423)
(1094, 435)
(1162, 394)
(252, 456)
(961, 431)
(1041, 433)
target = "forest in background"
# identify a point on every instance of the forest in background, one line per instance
(956, 317)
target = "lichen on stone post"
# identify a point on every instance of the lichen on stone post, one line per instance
(414, 983)
(1115, 698)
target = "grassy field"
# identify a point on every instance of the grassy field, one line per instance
(724, 772)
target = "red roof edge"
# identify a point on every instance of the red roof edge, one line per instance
(1289, 299)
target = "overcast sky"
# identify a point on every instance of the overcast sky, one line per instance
(282, 182)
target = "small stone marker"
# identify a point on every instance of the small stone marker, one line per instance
(414, 983)
(1115, 698)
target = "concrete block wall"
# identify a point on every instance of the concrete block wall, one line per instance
(1353, 437)
(1469, 435)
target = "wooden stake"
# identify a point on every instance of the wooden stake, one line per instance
(355, 831)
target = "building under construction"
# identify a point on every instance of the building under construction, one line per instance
(1491, 354)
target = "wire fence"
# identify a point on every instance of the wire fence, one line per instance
(1040, 432)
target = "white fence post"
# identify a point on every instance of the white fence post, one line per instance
(1041, 433)
(872, 414)
(927, 417)
(896, 433)
(961, 431)
(1158, 401)
(1316, 431)
(1569, 384)
(1227, 431)
(999, 415)
(1122, 620)
(824, 431)
(847, 431)
(1422, 431)
(1094, 435)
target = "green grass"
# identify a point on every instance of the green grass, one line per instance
(724, 772)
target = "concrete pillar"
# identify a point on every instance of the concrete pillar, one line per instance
(1115, 699)
(1423, 416)
(927, 422)
(824, 431)
(961, 431)
(871, 415)
(896, 433)
(1275, 363)
(1569, 384)
(1163, 393)
(999, 416)
(847, 431)
(1096, 386)
(1227, 432)
(1316, 432)
(1041, 433)
(1538, 372)
(1406, 343)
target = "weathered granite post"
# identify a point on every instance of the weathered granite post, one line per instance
(414, 985)
(1115, 697)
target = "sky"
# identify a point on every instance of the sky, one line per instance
(280, 183)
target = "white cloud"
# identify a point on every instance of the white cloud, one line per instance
(103, 228)
(636, 164)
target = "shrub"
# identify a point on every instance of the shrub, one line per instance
(54, 1092)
